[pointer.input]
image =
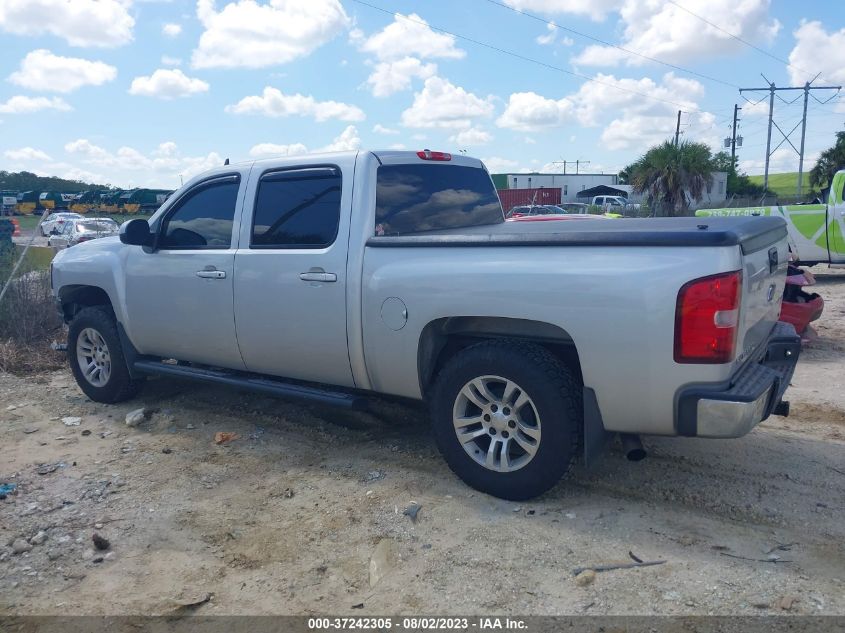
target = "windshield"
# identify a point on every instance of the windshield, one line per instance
(416, 198)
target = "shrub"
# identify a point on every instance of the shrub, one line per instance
(29, 322)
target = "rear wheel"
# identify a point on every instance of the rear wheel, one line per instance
(96, 357)
(507, 418)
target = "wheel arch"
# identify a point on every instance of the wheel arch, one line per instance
(442, 338)
(73, 298)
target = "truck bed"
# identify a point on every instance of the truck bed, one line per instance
(751, 234)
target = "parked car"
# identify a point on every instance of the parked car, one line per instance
(333, 277)
(75, 232)
(576, 208)
(56, 221)
(553, 217)
(534, 209)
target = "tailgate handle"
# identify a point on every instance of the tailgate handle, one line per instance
(773, 259)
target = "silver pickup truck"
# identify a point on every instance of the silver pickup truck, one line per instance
(337, 276)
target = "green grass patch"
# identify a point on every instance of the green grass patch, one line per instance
(785, 184)
(37, 257)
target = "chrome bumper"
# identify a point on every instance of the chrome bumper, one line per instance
(749, 397)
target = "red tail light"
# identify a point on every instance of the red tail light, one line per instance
(707, 319)
(427, 154)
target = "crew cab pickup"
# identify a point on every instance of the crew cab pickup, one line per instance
(337, 276)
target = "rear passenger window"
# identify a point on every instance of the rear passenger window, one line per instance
(416, 198)
(203, 220)
(297, 208)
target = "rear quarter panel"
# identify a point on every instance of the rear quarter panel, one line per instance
(616, 303)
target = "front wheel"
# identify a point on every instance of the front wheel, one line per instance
(96, 357)
(507, 418)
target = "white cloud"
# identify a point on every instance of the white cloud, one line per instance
(819, 51)
(549, 36)
(409, 36)
(596, 9)
(347, 140)
(252, 34)
(26, 154)
(25, 105)
(442, 104)
(43, 71)
(665, 31)
(272, 149)
(167, 84)
(394, 76)
(472, 136)
(378, 128)
(528, 111)
(167, 60)
(85, 148)
(274, 103)
(171, 29)
(398, 146)
(629, 119)
(782, 160)
(129, 166)
(95, 23)
(496, 164)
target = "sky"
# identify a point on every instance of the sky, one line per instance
(147, 93)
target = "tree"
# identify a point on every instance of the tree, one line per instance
(27, 181)
(830, 161)
(738, 184)
(667, 173)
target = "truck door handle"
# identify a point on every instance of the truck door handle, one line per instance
(212, 274)
(318, 275)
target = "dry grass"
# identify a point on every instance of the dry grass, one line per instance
(29, 323)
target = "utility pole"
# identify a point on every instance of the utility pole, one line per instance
(678, 128)
(803, 134)
(769, 136)
(733, 135)
(772, 89)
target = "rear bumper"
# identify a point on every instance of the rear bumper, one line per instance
(749, 397)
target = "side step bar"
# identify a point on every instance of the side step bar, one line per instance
(264, 385)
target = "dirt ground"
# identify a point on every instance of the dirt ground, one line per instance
(304, 512)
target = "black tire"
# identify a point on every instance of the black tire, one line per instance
(555, 393)
(120, 385)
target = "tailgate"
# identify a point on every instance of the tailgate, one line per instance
(764, 262)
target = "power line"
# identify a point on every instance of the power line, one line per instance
(773, 90)
(616, 46)
(534, 61)
(738, 38)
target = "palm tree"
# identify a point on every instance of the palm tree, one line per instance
(667, 173)
(830, 161)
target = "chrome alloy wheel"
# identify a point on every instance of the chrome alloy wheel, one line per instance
(497, 423)
(93, 357)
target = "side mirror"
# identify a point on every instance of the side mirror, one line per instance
(136, 233)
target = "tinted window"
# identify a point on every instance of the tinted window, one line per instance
(416, 198)
(204, 219)
(298, 208)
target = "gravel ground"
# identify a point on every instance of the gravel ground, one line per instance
(303, 513)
